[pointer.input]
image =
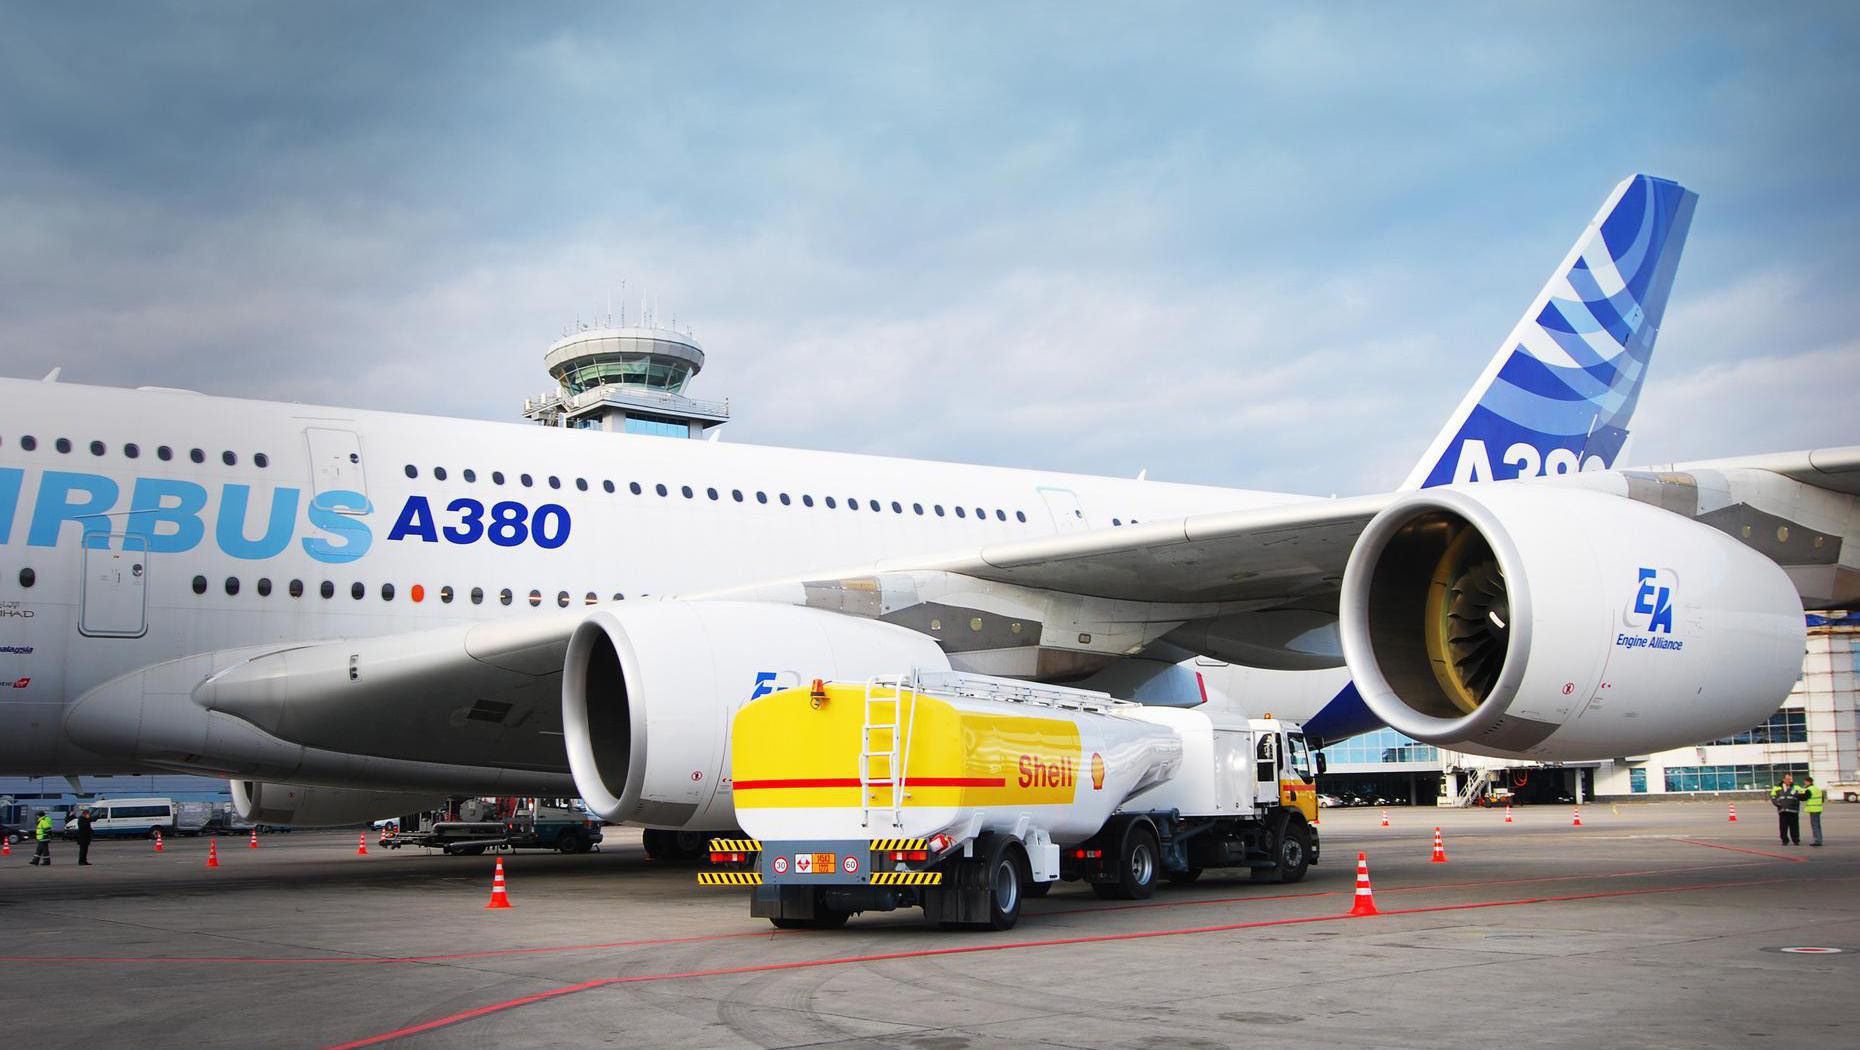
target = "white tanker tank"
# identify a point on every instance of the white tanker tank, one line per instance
(963, 793)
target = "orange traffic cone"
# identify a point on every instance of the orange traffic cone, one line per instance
(6, 847)
(361, 844)
(499, 898)
(158, 846)
(1385, 818)
(1440, 848)
(253, 844)
(1365, 897)
(1507, 812)
(1733, 819)
(213, 854)
(1576, 821)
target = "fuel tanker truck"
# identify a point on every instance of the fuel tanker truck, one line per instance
(964, 794)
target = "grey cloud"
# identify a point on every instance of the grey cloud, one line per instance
(1233, 246)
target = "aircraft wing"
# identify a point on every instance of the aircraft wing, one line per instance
(1294, 554)
(1267, 556)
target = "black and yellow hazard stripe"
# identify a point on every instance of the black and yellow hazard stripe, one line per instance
(899, 844)
(729, 878)
(907, 878)
(735, 846)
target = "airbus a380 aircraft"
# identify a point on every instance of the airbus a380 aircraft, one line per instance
(351, 614)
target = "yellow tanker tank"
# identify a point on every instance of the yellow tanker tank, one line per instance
(917, 756)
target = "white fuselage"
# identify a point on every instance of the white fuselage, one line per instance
(116, 562)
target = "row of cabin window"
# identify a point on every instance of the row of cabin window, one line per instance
(131, 450)
(497, 478)
(358, 591)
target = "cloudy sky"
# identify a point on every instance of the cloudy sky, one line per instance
(1234, 244)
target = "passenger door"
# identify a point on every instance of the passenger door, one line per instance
(335, 461)
(114, 603)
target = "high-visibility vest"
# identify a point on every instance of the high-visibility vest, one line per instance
(43, 829)
(1816, 796)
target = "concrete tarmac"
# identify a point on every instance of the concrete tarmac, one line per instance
(1653, 925)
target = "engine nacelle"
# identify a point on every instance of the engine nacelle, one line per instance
(648, 692)
(1545, 622)
(305, 806)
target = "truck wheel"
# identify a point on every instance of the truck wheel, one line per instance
(1294, 851)
(571, 841)
(1134, 864)
(1007, 883)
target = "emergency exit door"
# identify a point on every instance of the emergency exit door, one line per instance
(1063, 505)
(115, 599)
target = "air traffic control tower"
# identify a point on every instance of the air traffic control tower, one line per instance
(628, 379)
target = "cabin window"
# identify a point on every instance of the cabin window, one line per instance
(29, 443)
(261, 460)
(439, 473)
(229, 458)
(526, 480)
(469, 475)
(200, 585)
(296, 588)
(264, 586)
(535, 599)
(387, 592)
(96, 448)
(504, 596)
(477, 595)
(562, 599)
(328, 589)
(196, 455)
(62, 444)
(445, 594)
(132, 450)
(232, 585)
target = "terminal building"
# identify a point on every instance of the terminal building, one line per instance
(1813, 732)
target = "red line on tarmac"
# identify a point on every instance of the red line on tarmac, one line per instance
(376, 960)
(1057, 942)
(1746, 849)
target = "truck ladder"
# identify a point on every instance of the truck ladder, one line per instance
(881, 750)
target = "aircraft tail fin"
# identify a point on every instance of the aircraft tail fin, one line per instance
(1559, 394)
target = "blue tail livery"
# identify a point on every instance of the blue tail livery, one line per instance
(1558, 396)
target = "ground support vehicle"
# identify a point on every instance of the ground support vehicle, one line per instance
(471, 826)
(963, 795)
(125, 818)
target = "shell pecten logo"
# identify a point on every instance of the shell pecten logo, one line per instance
(1097, 771)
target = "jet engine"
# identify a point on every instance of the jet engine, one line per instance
(648, 692)
(1546, 622)
(304, 806)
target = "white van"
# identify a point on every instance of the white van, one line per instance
(125, 817)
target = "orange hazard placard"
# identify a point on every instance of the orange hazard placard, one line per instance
(826, 863)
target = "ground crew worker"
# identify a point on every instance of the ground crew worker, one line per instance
(83, 836)
(42, 832)
(1787, 798)
(1817, 796)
